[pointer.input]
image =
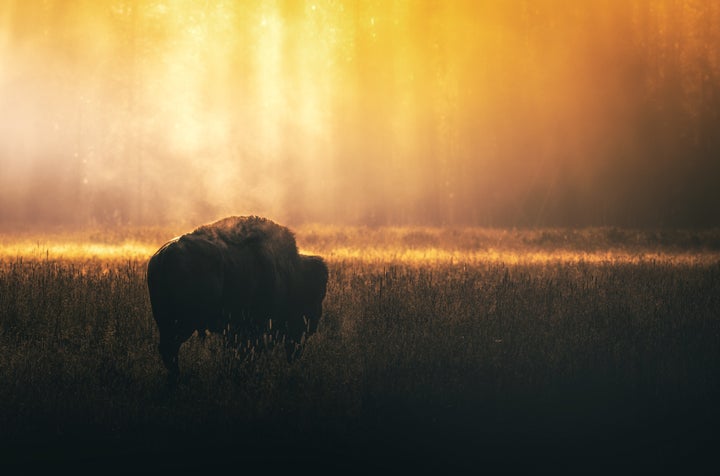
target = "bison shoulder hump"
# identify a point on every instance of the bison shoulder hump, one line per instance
(269, 237)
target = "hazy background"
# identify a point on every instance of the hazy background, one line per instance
(493, 113)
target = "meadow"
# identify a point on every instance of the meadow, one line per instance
(583, 351)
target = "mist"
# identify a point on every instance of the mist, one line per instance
(490, 113)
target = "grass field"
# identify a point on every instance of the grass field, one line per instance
(584, 351)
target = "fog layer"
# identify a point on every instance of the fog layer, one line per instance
(492, 113)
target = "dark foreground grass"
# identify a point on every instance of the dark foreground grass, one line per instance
(574, 367)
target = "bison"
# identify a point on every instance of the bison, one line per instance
(242, 276)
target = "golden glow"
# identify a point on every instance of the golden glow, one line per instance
(393, 245)
(78, 251)
(376, 112)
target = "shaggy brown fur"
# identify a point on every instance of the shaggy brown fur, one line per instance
(238, 273)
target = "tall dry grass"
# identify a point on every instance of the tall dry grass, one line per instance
(439, 362)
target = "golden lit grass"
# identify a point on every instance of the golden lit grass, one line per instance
(407, 245)
(432, 256)
(69, 250)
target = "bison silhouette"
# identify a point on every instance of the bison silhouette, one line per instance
(242, 276)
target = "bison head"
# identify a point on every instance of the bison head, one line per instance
(314, 278)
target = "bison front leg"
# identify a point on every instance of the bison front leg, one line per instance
(170, 342)
(169, 348)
